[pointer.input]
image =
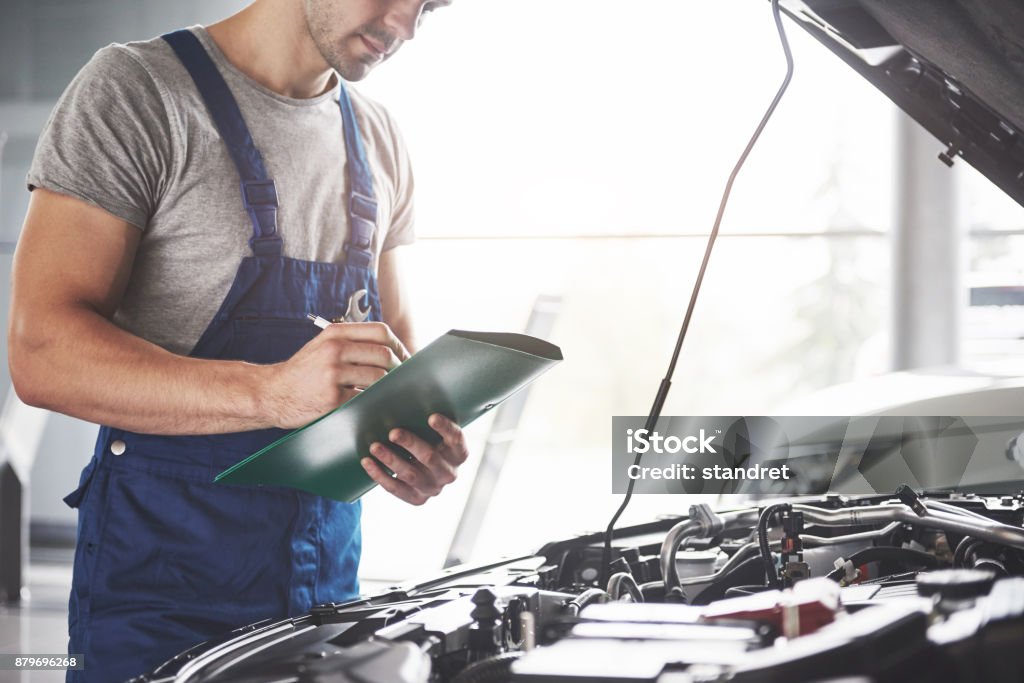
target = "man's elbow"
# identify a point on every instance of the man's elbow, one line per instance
(27, 370)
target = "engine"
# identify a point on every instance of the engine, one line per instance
(866, 589)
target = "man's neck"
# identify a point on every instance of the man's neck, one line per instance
(269, 42)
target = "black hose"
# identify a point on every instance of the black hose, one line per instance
(497, 669)
(963, 549)
(624, 580)
(762, 541)
(904, 556)
(587, 597)
(653, 591)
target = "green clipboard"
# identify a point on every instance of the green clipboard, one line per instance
(461, 375)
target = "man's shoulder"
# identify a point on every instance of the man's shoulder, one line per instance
(362, 101)
(141, 70)
(143, 62)
(373, 115)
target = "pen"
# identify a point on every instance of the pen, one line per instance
(322, 323)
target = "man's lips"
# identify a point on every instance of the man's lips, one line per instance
(374, 46)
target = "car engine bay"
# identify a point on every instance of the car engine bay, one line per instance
(875, 588)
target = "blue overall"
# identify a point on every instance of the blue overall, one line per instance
(165, 558)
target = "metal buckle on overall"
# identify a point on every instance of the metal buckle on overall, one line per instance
(260, 200)
(358, 257)
(363, 206)
(362, 211)
(259, 194)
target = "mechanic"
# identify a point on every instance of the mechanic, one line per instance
(194, 197)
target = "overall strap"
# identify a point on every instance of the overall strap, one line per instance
(259, 194)
(362, 206)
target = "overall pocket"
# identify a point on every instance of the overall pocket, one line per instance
(208, 553)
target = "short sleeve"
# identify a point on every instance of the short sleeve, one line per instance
(402, 228)
(109, 140)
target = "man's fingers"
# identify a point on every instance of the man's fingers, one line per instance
(449, 430)
(362, 353)
(403, 353)
(395, 487)
(452, 434)
(360, 376)
(435, 458)
(376, 333)
(434, 465)
(412, 473)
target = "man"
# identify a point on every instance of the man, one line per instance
(195, 197)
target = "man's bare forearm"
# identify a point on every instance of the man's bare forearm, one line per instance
(77, 362)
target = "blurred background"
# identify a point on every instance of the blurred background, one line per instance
(569, 161)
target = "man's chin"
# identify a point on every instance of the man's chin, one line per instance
(355, 72)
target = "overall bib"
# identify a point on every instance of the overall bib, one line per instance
(165, 558)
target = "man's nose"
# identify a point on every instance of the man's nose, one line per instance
(403, 18)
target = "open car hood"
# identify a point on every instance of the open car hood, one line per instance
(955, 66)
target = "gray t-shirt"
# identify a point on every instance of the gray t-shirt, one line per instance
(132, 136)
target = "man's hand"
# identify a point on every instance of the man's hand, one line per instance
(434, 467)
(332, 368)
